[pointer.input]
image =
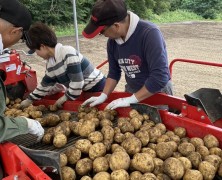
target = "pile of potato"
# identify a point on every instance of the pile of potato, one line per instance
(132, 148)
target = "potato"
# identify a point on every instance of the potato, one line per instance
(154, 134)
(108, 133)
(62, 128)
(173, 168)
(95, 137)
(186, 163)
(102, 176)
(100, 164)
(152, 146)
(119, 137)
(68, 173)
(120, 174)
(59, 140)
(135, 175)
(142, 162)
(162, 176)
(175, 138)
(214, 160)
(207, 169)
(53, 108)
(86, 178)
(97, 150)
(136, 123)
(41, 108)
(215, 151)
(150, 151)
(196, 141)
(105, 122)
(126, 127)
(203, 150)
(83, 145)
(129, 135)
(158, 166)
(163, 138)
(192, 174)
(185, 139)
(65, 116)
(105, 115)
(83, 166)
(48, 138)
(75, 126)
(133, 113)
(96, 121)
(177, 154)
(63, 160)
(73, 154)
(186, 148)
(86, 128)
(161, 127)
(52, 119)
(220, 170)
(195, 159)
(164, 150)
(173, 145)
(210, 141)
(119, 160)
(149, 176)
(132, 145)
(180, 131)
(143, 136)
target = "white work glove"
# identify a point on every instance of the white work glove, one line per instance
(25, 103)
(60, 101)
(57, 88)
(122, 102)
(35, 128)
(93, 101)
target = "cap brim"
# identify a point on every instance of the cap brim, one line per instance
(91, 30)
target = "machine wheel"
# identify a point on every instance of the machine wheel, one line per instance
(16, 91)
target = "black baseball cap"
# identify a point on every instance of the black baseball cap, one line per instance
(15, 13)
(104, 13)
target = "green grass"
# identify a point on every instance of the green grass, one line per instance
(169, 17)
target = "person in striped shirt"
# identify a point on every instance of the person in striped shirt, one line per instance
(66, 69)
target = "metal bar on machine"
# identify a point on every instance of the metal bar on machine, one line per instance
(76, 26)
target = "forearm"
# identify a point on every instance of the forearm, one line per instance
(109, 86)
(142, 94)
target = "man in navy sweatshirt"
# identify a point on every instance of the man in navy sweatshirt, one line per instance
(135, 47)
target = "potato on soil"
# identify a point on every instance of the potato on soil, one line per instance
(120, 174)
(197, 141)
(100, 164)
(186, 148)
(102, 176)
(186, 163)
(203, 150)
(86, 128)
(143, 136)
(214, 160)
(63, 160)
(59, 140)
(68, 173)
(210, 141)
(207, 169)
(65, 116)
(86, 178)
(97, 150)
(142, 162)
(135, 175)
(195, 159)
(52, 119)
(83, 166)
(73, 154)
(132, 145)
(83, 145)
(119, 160)
(180, 131)
(173, 168)
(164, 150)
(158, 166)
(149, 176)
(192, 174)
(48, 138)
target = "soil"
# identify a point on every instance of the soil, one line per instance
(189, 40)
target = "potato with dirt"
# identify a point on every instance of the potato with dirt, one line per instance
(132, 145)
(59, 140)
(164, 150)
(186, 148)
(180, 131)
(100, 164)
(195, 159)
(120, 174)
(63, 160)
(173, 168)
(196, 141)
(149, 176)
(97, 150)
(73, 154)
(108, 133)
(84, 166)
(75, 126)
(150, 151)
(35, 114)
(95, 137)
(215, 151)
(86, 128)
(68, 173)
(102, 176)
(119, 137)
(53, 108)
(65, 116)
(210, 141)
(48, 138)
(207, 170)
(154, 134)
(192, 174)
(142, 162)
(135, 175)
(161, 127)
(143, 136)
(83, 145)
(136, 123)
(214, 160)
(119, 160)
(86, 178)
(158, 166)
(203, 150)
(186, 163)
(52, 119)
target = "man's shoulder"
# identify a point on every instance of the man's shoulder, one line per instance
(146, 24)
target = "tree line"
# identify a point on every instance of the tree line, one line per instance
(60, 12)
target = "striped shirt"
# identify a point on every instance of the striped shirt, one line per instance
(70, 69)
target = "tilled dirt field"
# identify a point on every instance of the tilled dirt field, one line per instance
(188, 40)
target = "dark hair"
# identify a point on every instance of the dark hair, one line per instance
(40, 33)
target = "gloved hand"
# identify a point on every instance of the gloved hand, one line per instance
(57, 88)
(60, 101)
(93, 101)
(35, 128)
(25, 103)
(122, 102)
